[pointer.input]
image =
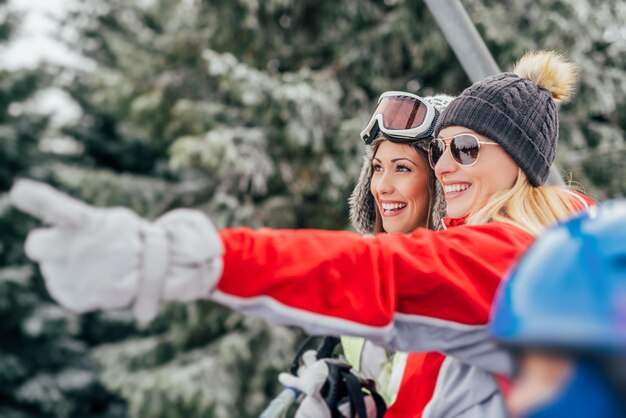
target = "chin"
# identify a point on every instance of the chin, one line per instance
(394, 227)
(457, 213)
(390, 229)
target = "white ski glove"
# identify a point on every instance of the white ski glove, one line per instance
(110, 258)
(312, 376)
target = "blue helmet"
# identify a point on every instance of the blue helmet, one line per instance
(569, 290)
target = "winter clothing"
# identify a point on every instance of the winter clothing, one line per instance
(397, 374)
(379, 288)
(375, 363)
(426, 291)
(362, 204)
(110, 258)
(517, 113)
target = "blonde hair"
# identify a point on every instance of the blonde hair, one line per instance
(525, 206)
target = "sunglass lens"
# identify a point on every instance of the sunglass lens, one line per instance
(401, 112)
(464, 149)
(435, 151)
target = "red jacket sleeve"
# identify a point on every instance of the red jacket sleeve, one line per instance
(447, 275)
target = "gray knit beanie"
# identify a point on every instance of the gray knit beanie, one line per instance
(518, 111)
(362, 203)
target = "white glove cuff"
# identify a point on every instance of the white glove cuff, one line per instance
(154, 268)
(182, 261)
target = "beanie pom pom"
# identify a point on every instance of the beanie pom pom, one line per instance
(549, 70)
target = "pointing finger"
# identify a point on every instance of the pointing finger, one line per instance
(49, 204)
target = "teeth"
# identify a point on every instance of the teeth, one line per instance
(390, 207)
(455, 188)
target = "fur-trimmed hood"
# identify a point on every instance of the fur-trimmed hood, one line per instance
(361, 201)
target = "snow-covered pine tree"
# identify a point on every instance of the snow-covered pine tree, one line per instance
(250, 111)
(44, 367)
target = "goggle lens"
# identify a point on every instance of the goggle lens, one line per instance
(401, 112)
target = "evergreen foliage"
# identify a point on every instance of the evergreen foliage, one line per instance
(44, 366)
(250, 111)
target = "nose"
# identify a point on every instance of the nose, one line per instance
(446, 164)
(383, 183)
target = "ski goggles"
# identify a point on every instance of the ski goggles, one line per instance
(464, 147)
(402, 117)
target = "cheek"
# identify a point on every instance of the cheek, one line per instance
(498, 174)
(506, 168)
(508, 176)
(502, 181)
(418, 192)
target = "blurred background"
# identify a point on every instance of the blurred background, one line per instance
(249, 110)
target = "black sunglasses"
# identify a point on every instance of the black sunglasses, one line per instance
(464, 147)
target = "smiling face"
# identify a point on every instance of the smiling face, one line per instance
(400, 187)
(466, 188)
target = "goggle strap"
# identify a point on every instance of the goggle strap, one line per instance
(433, 125)
(373, 132)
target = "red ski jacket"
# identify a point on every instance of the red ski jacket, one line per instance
(429, 291)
